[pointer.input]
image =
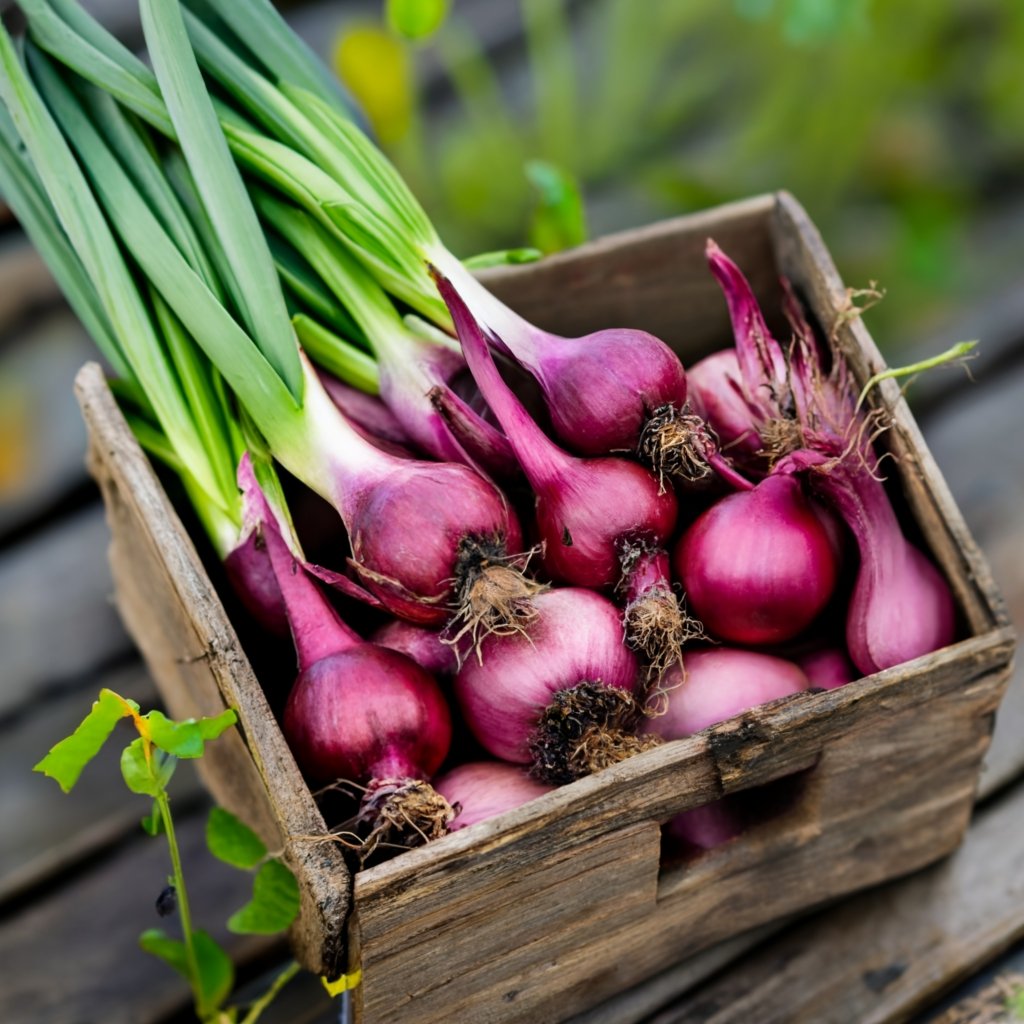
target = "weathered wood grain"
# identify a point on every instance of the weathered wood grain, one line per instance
(58, 623)
(73, 957)
(883, 954)
(172, 611)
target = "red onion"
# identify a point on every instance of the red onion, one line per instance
(485, 789)
(705, 827)
(901, 606)
(758, 566)
(252, 578)
(361, 713)
(585, 507)
(599, 389)
(560, 699)
(429, 539)
(717, 684)
(720, 683)
(717, 394)
(423, 645)
(827, 668)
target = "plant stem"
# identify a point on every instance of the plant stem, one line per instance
(958, 353)
(257, 1008)
(164, 803)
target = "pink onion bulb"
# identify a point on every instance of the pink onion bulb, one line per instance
(901, 606)
(560, 700)
(423, 645)
(827, 668)
(586, 508)
(485, 789)
(758, 566)
(717, 684)
(357, 712)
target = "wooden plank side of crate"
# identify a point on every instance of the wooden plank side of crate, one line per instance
(884, 954)
(803, 257)
(175, 617)
(654, 278)
(860, 819)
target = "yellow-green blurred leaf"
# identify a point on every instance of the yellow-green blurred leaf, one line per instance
(375, 67)
(416, 19)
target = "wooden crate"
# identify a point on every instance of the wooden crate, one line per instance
(557, 905)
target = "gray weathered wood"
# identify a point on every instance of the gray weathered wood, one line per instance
(57, 619)
(42, 439)
(172, 611)
(74, 957)
(884, 954)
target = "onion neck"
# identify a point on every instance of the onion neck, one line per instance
(316, 628)
(542, 460)
(509, 332)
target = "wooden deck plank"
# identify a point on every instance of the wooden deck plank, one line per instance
(42, 438)
(73, 956)
(57, 622)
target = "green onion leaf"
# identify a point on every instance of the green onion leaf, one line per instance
(220, 185)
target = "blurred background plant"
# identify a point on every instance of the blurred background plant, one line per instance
(899, 126)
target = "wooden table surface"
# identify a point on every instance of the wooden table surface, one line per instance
(78, 878)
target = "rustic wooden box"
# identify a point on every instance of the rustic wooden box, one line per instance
(556, 906)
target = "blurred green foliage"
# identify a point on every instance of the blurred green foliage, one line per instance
(900, 126)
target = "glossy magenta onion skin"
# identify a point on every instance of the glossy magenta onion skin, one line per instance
(485, 789)
(576, 637)
(828, 668)
(584, 516)
(410, 569)
(423, 645)
(601, 389)
(716, 394)
(758, 566)
(252, 578)
(719, 683)
(367, 713)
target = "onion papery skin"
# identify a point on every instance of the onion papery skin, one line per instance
(901, 607)
(407, 534)
(719, 683)
(364, 714)
(758, 566)
(423, 645)
(485, 789)
(576, 638)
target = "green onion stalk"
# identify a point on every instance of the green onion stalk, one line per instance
(427, 540)
(615, 389)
